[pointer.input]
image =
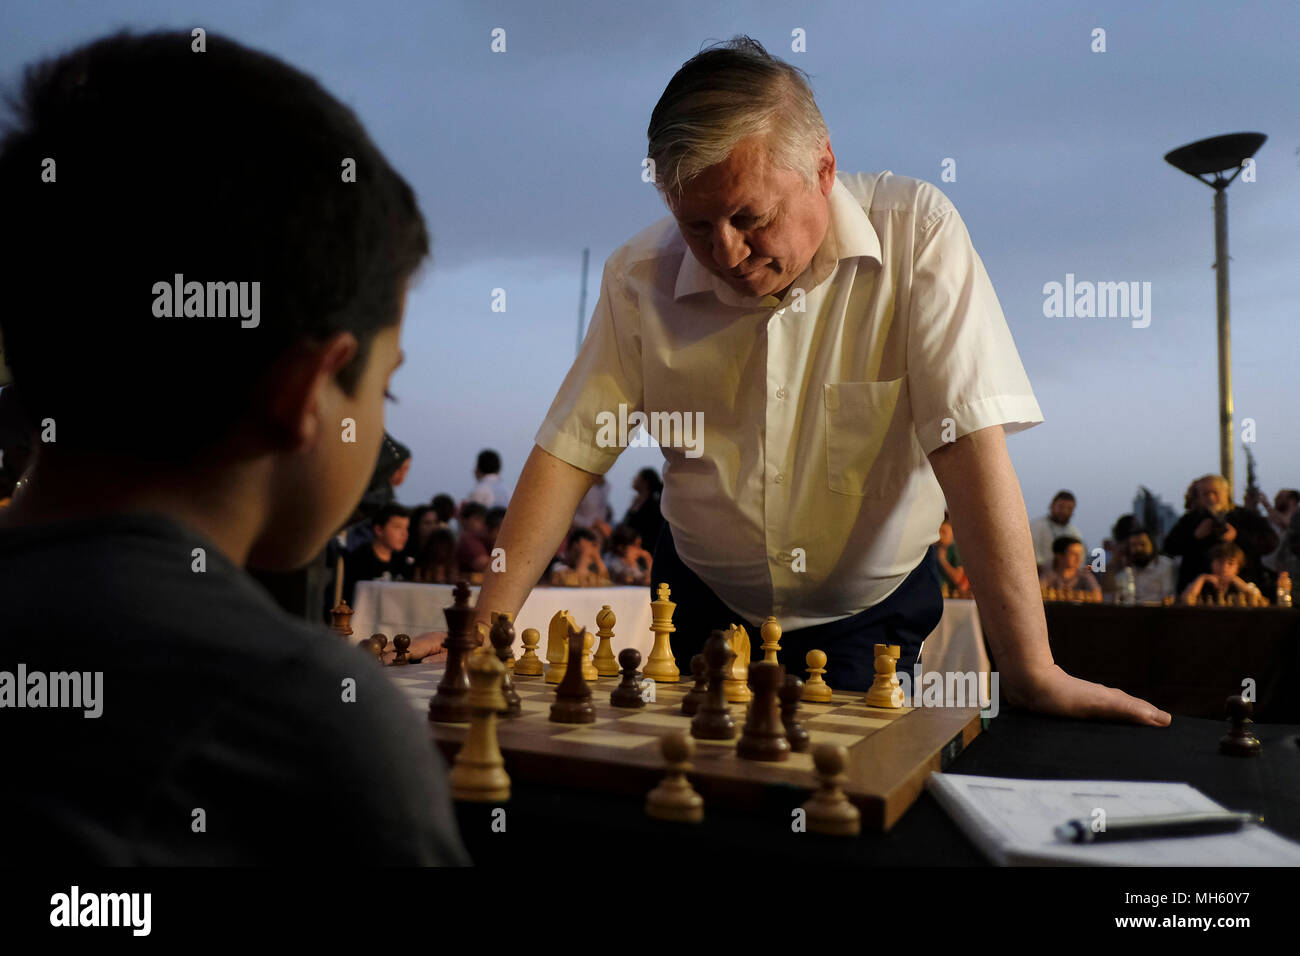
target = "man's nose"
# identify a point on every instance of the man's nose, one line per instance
(729, 248)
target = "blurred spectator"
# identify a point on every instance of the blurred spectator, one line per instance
(581, 565)
(1117, 544)
(472, 553)
(644, 514)
(1055, 524)
(1279, 514)
(628, 562)
(444, 506)
(492, 526)
(489, 491)
(436, 563)
(380, 559)
(1153, 574)
(394, 457)
(1214, 520)
(1067, 571)
(951, 572)
(594, 506)
(1225, 560)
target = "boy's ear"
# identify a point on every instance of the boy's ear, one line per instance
(296, 383)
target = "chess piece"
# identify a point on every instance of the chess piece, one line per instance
(557, 645)
(661, 667)
(712, 721)
(628, 692)
(341, 618)
(606, 666)
(795, 733)
(374, 645)
(815, 689)
(828, 810)
(1239, 741)
(737, 683)
(886, 690)
(450, 702)
(692, 698)
(573, 696)
(674, 799)
(502, 638)
(530, 665)
(402, 645)
(509, 659)
(763, 737)
(771, 634)
(589, 672)
(382, 641)
(478, 773)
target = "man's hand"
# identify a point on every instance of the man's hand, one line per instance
(1053, 691)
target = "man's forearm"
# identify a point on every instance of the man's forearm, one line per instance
(540, 513)
(989, 520)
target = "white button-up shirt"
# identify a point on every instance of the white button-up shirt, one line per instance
(807, 493)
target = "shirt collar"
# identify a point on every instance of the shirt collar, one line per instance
(849, 234)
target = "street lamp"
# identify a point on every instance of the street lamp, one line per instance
(1215, 156)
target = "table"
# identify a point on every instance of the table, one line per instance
(1185, 660)
(394, 607)
(1015, 744)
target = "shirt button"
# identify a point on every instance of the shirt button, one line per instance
(781, 393)
(780, 478)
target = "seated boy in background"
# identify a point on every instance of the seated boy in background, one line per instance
(1223, 577)
(184, 433)
(382, 558)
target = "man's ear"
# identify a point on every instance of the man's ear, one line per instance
(826, 169)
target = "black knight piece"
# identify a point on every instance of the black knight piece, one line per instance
(502, 637)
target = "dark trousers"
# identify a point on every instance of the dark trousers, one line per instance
(905, 618)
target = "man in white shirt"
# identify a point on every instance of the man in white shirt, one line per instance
(1055, 524)
(812, 353)
(489, 490)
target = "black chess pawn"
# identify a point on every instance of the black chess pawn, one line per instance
(713, 719)
(791, 693)
(700, 671)
(402, 645)
(628, 692)
(1239, 741)
(502, 636)
(764, 736)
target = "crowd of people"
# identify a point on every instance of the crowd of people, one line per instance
(445, 541)
(1216, 550)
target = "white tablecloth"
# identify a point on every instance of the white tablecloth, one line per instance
(395, 607)
(389, 607)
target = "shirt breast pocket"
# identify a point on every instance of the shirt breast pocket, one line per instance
(860, 427)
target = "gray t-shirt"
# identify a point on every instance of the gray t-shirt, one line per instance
(225, 734)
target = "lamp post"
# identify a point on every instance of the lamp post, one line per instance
(1206, 157)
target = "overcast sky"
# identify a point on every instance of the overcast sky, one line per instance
(522, 158)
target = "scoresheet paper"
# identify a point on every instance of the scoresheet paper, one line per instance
(1011, 821)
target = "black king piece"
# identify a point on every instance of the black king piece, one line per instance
(450, 702)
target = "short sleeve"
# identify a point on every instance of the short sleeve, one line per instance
(962, 364)
(606, 375)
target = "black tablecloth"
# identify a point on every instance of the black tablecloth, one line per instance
(1185, 660)
(553, 820)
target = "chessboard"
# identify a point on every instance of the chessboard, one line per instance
(891, 752)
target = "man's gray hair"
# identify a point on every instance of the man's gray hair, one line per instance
(724, 94)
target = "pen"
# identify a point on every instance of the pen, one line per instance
(1154, 827)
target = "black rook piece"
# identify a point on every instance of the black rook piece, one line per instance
(764, 737)
(700, 671)
(713, 719)
(791, 692)
(450, 703)
(502, 637)
(628, 692)
(573, 696)
(1239, 741)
